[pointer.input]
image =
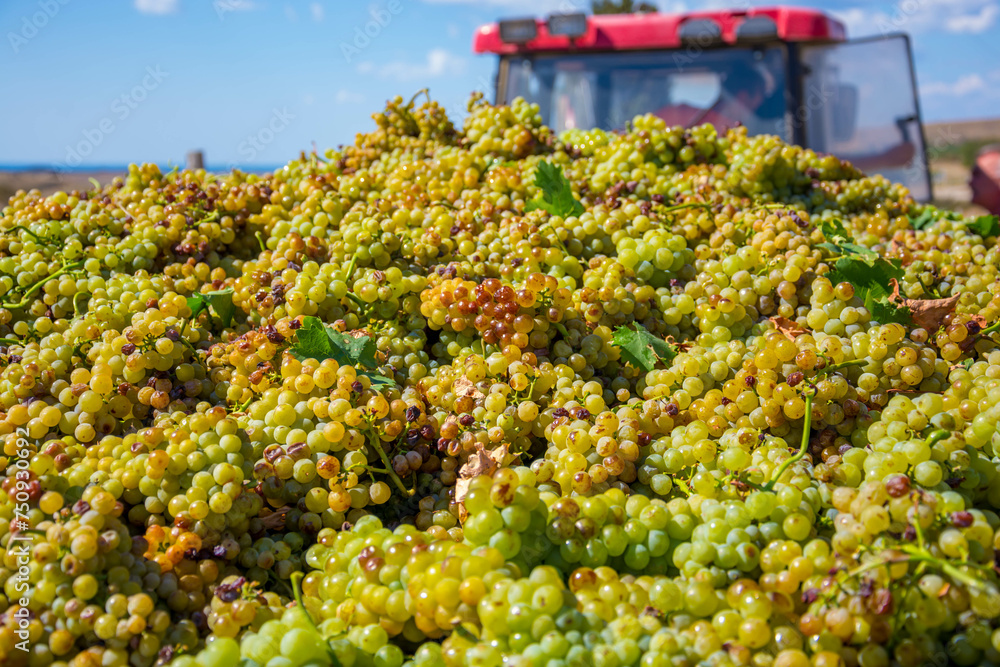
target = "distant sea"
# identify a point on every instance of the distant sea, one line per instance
(85, 168)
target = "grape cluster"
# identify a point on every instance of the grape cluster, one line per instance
(478, 394)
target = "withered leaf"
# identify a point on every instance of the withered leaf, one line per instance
(463, 386)
(790, 328)
(276, 519)
(501, 455)
(480, 462)
(926, 313)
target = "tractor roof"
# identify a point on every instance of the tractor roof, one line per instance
(626, 32)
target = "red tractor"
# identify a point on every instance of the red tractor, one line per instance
(785, 71)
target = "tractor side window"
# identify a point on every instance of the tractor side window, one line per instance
(859, 103)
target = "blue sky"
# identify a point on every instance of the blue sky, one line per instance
(256, 81)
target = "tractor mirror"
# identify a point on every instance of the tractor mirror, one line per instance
(845, 112)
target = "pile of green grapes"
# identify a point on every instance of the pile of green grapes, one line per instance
(487, 395)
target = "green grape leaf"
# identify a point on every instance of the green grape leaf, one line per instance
(641, 348)
(924, 220)
(866, 272)
(848, 249)
(885, 311)
(985, 225)
(318, 341)
(833, 229)
(220, 302)
(315, 340)
(872, 278)
(380, 381)
(557, 195)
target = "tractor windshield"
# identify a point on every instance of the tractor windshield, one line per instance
(725, 87)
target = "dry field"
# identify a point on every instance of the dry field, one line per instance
(49, 181)
(951, 148)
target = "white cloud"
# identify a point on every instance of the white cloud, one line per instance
(964, 85)
(345, 96)
(236, 5)
(953, 16)
(156, 6)
(974, 23)
(223, 7)
(316, 11)
(439, 63)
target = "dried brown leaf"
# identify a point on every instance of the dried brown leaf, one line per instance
(682, 346)
(926, 313)
(463, 386)
(276, 519)
(790, 328)
(501, 455)
(480, 462)
(461, 490)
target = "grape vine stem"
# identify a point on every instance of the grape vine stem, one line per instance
(373, 440)
(34, 288)
(798, 456)
(38, 237)
(842, 365)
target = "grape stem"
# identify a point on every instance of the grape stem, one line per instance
(38, 237)
(296, 579)
(297, 594)
(840, 366)
(681, 207)
(798, 456)
(34, 288)
(916, 525)
(260, 241)
(76, 303)
(10, 341)
(373, 440)
(350, 267)
(993, 328)
(918, 555)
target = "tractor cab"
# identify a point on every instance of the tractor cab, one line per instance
(785, 71)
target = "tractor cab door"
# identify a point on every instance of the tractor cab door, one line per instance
(859, 102)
